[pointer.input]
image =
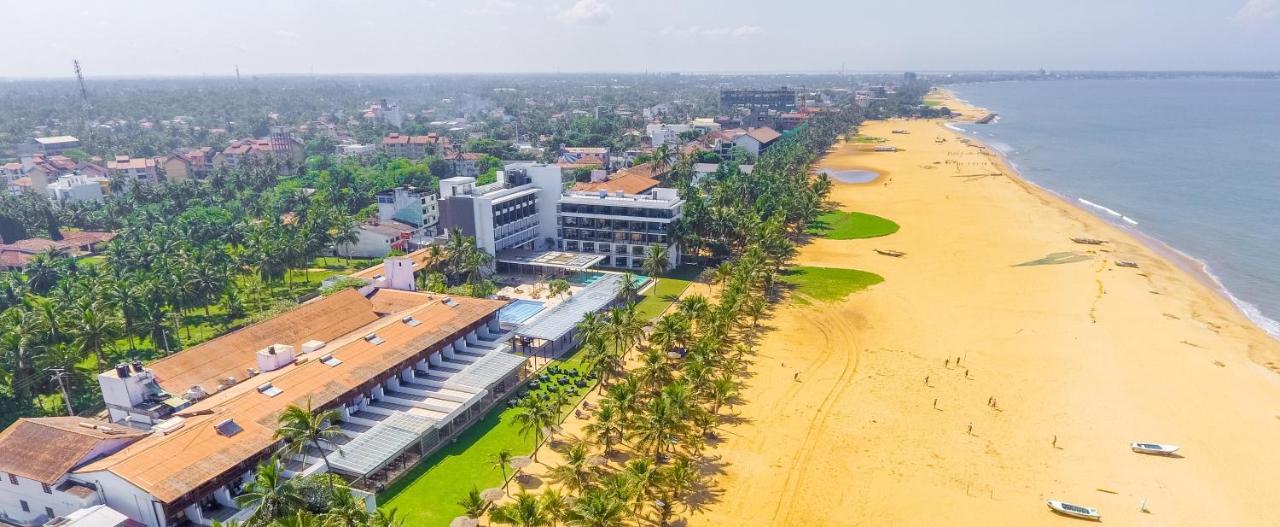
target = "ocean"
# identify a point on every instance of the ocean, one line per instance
(1193, 163)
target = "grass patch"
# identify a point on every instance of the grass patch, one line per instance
(429, 494)
(828, 283)
(866, 139)
(666, 291)
(841, 225)
(932, 103)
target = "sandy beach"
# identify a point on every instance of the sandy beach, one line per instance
(1073, 349)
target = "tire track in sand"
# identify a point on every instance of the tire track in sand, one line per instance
(834, 332)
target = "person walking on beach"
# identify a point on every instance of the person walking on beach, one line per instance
(926, 380)
(796, 377)
(946, 363)
(935, 404)
(1055, 440)
(970, 429)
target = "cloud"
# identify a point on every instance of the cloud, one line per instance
(742, 31)
(1257, 13)
(586, 12)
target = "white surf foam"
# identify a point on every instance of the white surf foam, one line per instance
(1100, 207)
(954, 127)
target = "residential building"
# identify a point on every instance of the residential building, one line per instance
(75, 188)
(280, 145)
(406, 371)
(10, 172)
(355, 150)
(37, 456)
(95, 516)
(56, 144)
(516, 212)
(187, 165)
(385, 112)
(465, 164)
(378, 238)
(133, 168)
(753, 101)
(583, 157)
(620, 224)
(635, 180)
(756, 141)
(410, 205)
(14, 256)
(665, 134)
(410, 146)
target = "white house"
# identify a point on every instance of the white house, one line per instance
(74, 188)
(757, 140)
(36, 456)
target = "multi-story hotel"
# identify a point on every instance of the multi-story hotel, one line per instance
(619, 225)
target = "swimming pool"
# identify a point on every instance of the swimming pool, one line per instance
(519, 311)
(586, 278)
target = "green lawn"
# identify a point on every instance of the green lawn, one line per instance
(932, 103)
(428, 495)
(666, 291)
(828, 283)
(866, 139)
(842, 225)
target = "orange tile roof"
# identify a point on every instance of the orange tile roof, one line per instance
(764, 135)
(45, 448)
(635, 180)
(181, 466)
(208, 364)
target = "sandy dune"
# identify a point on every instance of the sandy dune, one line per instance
(1069, 346)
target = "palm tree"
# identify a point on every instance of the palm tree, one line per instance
(554, 504)
(606, 428)
(500, 461)
(271, 493)
(596, 509)
(94, 330)
(644, 477)
(533, 417)
(575, 474)
(557, 287)
(473, 505)
(655, 261)
(44, 270)
(526, 511)
(346, 235)
(303, 427)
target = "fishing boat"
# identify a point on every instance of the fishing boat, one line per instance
(888, 252)
(1075, 511)
(1089, 241)
(1155, 449)
(1126, 263)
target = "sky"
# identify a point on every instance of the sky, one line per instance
(213, 37)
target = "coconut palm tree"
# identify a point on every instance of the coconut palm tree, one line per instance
(606, 428)
(473, 505)
(575, 474)
(95, 329)
(555, 505)
(501, 461)
(526, 511)
(303, 427)
(533, 417)
(596, 509)
(655, 261)
(271, 494)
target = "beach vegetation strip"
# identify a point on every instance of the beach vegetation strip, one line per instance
(827, 284)
(844, 225)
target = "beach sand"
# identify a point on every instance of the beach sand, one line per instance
(1070, 346)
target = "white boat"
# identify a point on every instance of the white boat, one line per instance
(1153, 448)
(1077, 511)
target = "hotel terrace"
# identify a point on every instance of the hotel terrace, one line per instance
(405, 370)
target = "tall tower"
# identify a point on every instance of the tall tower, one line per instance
(84, 93)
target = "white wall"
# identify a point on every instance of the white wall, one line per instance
(126, 498)
(31, 491)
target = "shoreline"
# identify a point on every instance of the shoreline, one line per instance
(1195, 267)
(1082, 356)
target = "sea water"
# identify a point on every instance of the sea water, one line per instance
(1193, 163)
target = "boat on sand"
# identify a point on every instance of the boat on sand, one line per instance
(1073, 510)
(1156, 449)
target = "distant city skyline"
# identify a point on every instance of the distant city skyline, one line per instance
(154, 38)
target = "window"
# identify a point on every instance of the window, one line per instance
(13, 479)
(48, 512)
(46, 488)
(25, 506)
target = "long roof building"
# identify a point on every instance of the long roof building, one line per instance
(403, 369)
